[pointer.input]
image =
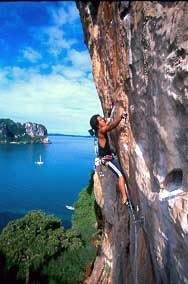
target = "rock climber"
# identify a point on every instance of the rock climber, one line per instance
(100, 127)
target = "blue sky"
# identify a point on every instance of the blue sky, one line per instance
(45, 68)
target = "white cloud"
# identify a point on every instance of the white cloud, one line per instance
(56, 37)
(62, 103)
(78, 65)
(73, 13)
(68, 72)
(16, 74)
(80, 60)
(56, 41)
(63, 16)
(59, 16)
(63, 100)
(31, 55)
(3, 77)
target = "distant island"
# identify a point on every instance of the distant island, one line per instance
(28, 133)
(71, 135)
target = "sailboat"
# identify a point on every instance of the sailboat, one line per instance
(40, 162)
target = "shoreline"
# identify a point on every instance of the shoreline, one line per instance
(45, 142)
(23, 143)
(70, 135)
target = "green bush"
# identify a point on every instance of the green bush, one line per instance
(70, 267)
(38, 246)
(28, 243)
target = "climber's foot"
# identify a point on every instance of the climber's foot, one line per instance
(125, 202)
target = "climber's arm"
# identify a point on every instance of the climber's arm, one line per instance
(111, 125)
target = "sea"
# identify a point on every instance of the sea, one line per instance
(26, 186)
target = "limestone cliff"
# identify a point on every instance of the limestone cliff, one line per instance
(15, 132)
(139, 52)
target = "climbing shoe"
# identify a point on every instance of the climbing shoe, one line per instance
(125, 202)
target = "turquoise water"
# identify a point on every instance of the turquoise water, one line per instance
(26, 186)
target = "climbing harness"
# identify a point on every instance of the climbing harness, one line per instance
(136, 220)
(99, 164)
(97, 159)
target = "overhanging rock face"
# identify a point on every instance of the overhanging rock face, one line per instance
(139, 52)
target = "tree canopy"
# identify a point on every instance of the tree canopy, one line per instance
(37, 244)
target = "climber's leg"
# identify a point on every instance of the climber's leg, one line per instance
(115, 167)
(121, 186)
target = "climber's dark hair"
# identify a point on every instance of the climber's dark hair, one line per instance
(94, 125)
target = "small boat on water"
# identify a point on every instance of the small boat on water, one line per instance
(69, 207)
(40, 162)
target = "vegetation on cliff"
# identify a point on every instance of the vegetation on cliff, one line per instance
(15, 132)
(37, 248)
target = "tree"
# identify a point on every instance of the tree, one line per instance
(37, 247)
(28, 243)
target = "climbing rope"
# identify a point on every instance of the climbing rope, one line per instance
(130, 204)
(135, 254)
(136, 220)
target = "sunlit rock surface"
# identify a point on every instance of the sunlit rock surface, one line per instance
(139, 53)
